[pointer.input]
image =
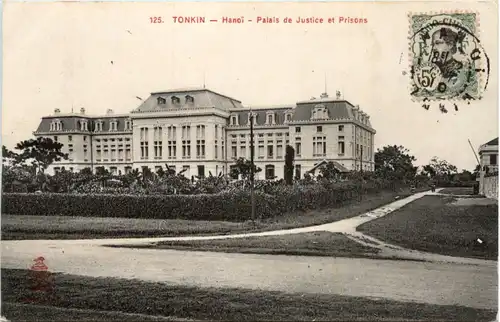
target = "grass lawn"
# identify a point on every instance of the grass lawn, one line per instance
(435, 224)
(131, 296)
(458, 191)
(62, 227)
(319, 243)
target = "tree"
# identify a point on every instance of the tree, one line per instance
(40, 153)
(395, 162)
(289, 159)
(8, 156)
(440, 169)
(242, 167)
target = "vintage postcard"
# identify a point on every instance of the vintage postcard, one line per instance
(254, 161)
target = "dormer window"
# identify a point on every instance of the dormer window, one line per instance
(128, 125)
(189, 99)
(270, 118)
(84, 125)
(161, 101)
(250, 114)
(56, 125)
(320, 112)
(98, 126)
(288, 116)
(234, 120)
(175, 100)
(113, 125)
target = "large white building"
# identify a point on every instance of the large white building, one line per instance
(203, 131)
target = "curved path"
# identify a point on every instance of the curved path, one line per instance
(446, 280)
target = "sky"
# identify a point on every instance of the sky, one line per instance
(102, 55)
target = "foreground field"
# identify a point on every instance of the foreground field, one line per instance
(65, 227)
(440, 224)
(118, 296)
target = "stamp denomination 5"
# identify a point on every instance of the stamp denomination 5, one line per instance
(447, 59)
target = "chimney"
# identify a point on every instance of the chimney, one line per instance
(109, 111)
(57, 111)
(324, 95)
(82, 111)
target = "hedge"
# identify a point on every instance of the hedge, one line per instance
(230, 206)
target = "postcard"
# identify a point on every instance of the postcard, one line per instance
(249, 161)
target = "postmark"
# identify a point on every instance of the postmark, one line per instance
(447, 59)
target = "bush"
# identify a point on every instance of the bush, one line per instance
(225, 206)
(212, 199)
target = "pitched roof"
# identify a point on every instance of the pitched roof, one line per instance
(72, 122)
(492, 142)
(337, 166)
(201, 98)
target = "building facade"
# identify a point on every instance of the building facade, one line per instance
(488, 174)
(202, 132)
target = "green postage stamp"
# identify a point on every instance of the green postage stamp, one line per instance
(448, 61)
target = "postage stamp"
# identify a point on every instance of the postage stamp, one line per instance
(448, 61)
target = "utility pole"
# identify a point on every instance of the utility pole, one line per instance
(252, 195)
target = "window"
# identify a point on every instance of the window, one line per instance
(158, 142)
(279, 150)
(85, 156)
(120, 154)
(185, 169)
(200, 149)
(261, 149)
(298, 171)
(98, 126)
(201, 171)
(113, 154)
(128, 125)
(113, 125)
(493, 159)
(161, 101)
(172, 135)
(189, 99)
(297, 129)
(270, 172)
(113, 170)
(270, 118)
(186, 132)
(84, 125)
(128, 170)
(186, 142)
(243, 151)
(341, 148)
(341, 137)
(98, 154)
(186, 149)
(200, 131)
(55, 138)
(70, 138)
(223, 152)
(234, 152)
(234, 120)
(144, 143)
(216, 150)
(175, 100)
(270, 151)
(298, 146)
(319, 129)
(341, 128)
(288, 117)
(319, 146)
(216, 131)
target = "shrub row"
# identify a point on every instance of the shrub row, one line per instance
(228, 206)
